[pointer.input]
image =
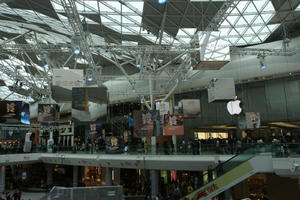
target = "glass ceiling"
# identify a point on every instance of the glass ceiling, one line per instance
(246, 24)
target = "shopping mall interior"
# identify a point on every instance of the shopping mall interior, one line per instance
(150, 99)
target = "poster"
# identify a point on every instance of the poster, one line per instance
(173, 124)
(146, 123)
(14, 112)
(48, 113)
(253, 120)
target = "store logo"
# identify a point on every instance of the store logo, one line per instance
(233, 107)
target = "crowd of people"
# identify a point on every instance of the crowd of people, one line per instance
(14, 195)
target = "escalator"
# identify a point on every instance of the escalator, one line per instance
(233, 171)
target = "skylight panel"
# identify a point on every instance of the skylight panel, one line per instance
(251, 8)
(267, 17)
(92, 3)
(104, 8)
(248, 38)
(249, 31)
(241, 22)
(181, 33)
(114, 4)
(232, 19)
(242, 5)
(264, 36)
(138, 5)
(136, 18)
(256, 40)
(269, 7)
(273, 27)
(241, 30)
(258, 20)
(116, 27)
(57, 6)
(224, 31)
(260, 4)
(190, 31)
(241, 41)
(264, 30)
(256, 28)
(249, 18)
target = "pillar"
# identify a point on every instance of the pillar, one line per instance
(153, 145)
(116, 177)
(49, 169)
(174, 141)
(2, 178)
(75, 176)
(171, 108)
(154, 183)
(227, 194)
(108, 176)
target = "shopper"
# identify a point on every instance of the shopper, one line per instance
(220, 169)
(209, 173)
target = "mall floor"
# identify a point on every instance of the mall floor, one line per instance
(32, 195)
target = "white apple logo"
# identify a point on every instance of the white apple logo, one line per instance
(233, 107)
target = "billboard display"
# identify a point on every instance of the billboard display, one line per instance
(14, 112)
(173, 124)
(48, 113)
(253, 120)
(146, 123)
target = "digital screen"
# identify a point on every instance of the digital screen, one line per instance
(14, 112)
(48, 113)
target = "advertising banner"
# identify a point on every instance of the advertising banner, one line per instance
(14, 112)
(146, 123)
(253, 120)
(48, 113)
(173, 124)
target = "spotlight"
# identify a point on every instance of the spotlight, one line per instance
(162, 1)
(261, 59)
(46, 66)
(76, 52)
(138, 66)
(89, 78)
(263, 67)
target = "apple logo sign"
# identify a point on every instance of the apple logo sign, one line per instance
(233, 107)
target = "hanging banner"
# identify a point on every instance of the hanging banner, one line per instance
(146, 123)
(173, 124)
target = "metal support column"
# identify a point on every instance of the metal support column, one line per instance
(49, 169)
(108, 176)
(154, 183)
(2, 178)
(75, 176)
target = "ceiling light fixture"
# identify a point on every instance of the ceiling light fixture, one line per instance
(76, 52)
(261, 59)
(162, 1)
